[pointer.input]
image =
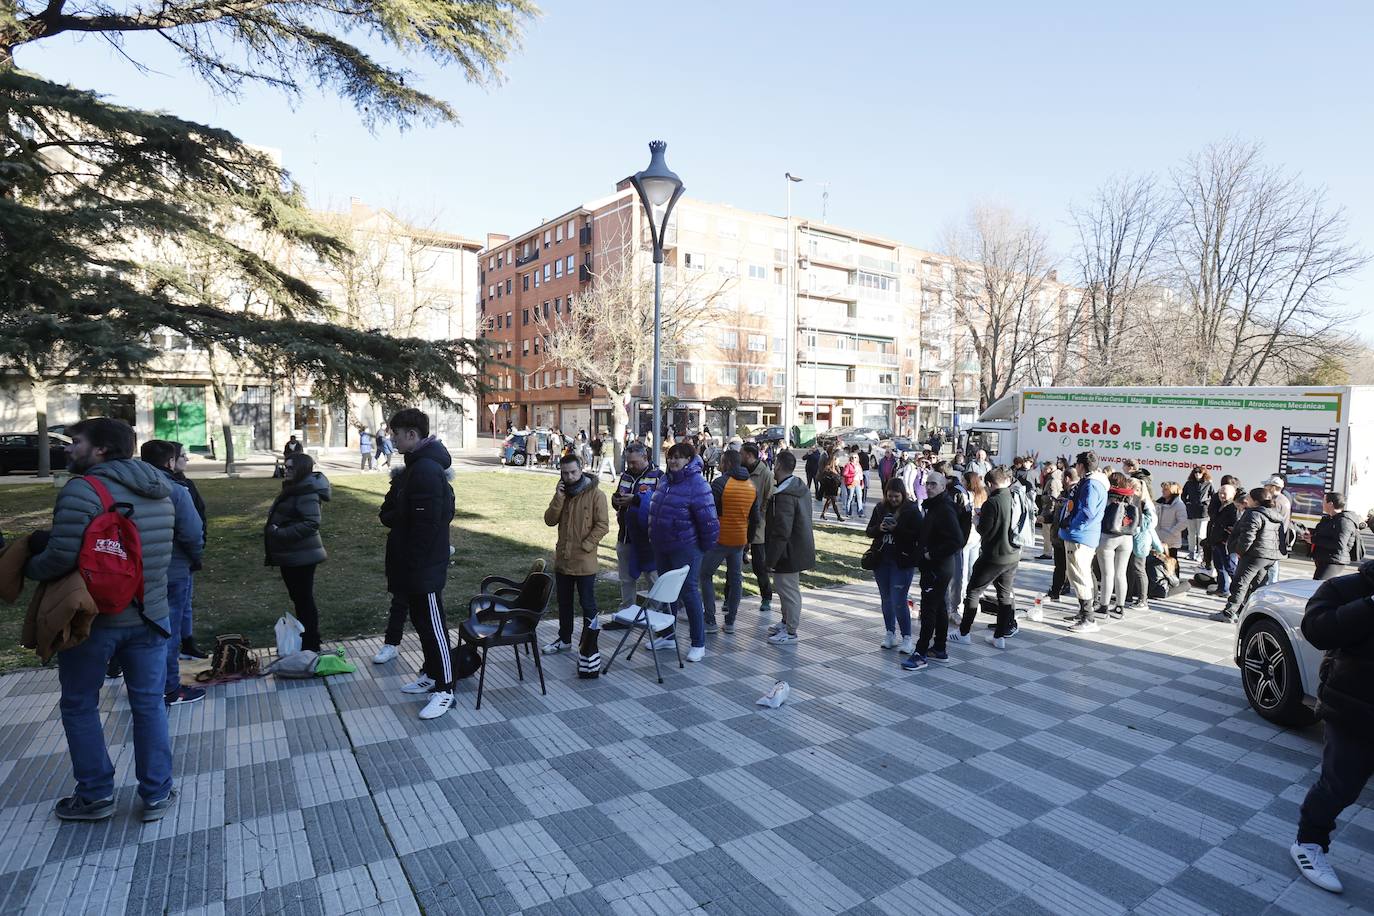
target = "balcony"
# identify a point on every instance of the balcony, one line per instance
(867, 322)
(871, 389)
(524, 259)
(846, 291)
(880, 265)
(847, 356)
(830, 253)
(584, 235)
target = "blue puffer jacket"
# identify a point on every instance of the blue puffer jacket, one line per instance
(683, 513)
(1082, 522)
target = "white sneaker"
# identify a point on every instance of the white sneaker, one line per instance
(963, 639)
(1085, 626)
(889, 639)
(555, 647)
(908, 646)
(1311, 862)
(999, 642)
(781, 637)
(439, 703)
(423, 684)
(663, 644)
(387, 653)
(775, 629)
(696, 653)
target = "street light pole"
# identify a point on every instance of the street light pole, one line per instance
(789, 387)
(659, 189)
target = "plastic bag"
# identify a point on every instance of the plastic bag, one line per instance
(333, 663)
(289, 631)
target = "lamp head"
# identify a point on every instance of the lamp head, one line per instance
(659, 188)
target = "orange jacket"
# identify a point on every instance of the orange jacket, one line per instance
(736, 507)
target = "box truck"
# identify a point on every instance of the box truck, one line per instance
(1317, 438)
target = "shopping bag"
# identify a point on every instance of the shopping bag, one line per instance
(289, 631)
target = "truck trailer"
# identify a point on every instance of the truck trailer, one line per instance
(1318, 439)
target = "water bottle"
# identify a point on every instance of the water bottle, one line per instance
(1038, 611)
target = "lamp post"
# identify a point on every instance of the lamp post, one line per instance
(658, 188)
(789, 387)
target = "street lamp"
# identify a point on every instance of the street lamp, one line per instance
(789, 382)
(659, 188)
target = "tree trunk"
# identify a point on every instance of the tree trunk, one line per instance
(40, 408)
(620, 419)
(225, 420)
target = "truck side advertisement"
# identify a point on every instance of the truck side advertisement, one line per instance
(1252, 436)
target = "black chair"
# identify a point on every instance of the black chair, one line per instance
(509, 589)
(508, 619)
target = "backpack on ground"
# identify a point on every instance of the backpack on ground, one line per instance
(111, 557)
(297, 665)
(1120, 518)
(232, 658)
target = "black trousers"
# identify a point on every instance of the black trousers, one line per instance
(427, 617)
(1250, 575)
(564, 585)
(1137, 582)
(936, 576)
(758, 562)
(396, 620)
(1326, 570)
(1347, 764)
(1061, 573)
(1000, 575)
(300, 586)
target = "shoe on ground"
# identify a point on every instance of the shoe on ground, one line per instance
(189, 651)
(782, 637)
(1045, 556)
(939, 655)
(385, 654)
(1118, 612)
(156, 811)
(424, 683)
(776, 628)
(1015, 629)
(663, 643)
(440, 702)
(889, 639)
(114, 669)
(908, 645)
(915, 662)
(75, 808)
(1085, 626)
(1312, 864)
(963, 639)
(551, 648)
(765, 606)
(183, 696)
(696, 653)
(998, 642)
(1221, 617)
(1053, 596)
(728, 628)
(712, 628)
(1070, 618)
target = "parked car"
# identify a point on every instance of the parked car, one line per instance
(19, 452)
(513, 447)
(1278, 668)
(770, 434)
(863, 436)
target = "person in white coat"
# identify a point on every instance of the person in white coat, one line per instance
(1173, 516)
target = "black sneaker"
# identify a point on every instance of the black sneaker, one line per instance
(156, 811)
(184, 695)
(114, 669)
(75, 808)
(189, 652)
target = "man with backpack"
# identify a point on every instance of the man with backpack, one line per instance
(188, 544)
(123, 555)
(996, 564)
(1336, 543)
(418, 509)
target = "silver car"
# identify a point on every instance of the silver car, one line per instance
(1278, 666)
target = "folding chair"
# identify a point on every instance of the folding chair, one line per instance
(648, 620)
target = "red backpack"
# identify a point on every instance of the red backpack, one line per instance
(111, 557)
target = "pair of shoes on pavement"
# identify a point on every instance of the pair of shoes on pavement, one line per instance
(440, 701)
(184, 696)
(1085, 626)
(1221, 617)
(963, 639)
(890, 641)
(75, 808)
(778, 635)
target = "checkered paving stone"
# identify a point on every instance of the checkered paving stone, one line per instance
(1121, 772)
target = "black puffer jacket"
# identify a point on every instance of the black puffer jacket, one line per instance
(1340, 621)
(941, 533)
(1333, 539)
(1257, 534)
(418, 509)
(1196, 496)
(292, 533)
(901, 544)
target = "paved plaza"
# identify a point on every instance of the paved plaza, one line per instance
(1121, 772)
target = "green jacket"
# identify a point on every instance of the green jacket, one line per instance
(147, 490)
(296, 513)
(762, 479)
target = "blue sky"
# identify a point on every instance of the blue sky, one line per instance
(909, 112)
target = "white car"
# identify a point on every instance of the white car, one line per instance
(1277, 665)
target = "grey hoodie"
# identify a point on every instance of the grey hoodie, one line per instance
(148, 491)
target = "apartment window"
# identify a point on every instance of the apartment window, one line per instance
(729, 340)
(571, 227)
(525, 283)
(909, 380)
(693, 375)
(569, 264)
(510, 319)
(509, 349)
(779, 344)
(886, 378)
(525, 318)
(558, 234)
(780, 380)
(547, 234)
(491, 291)
(757, 377)
(758, 343)
(536, 279)
(500, 260)
(536, 345)
(694, 261)
(546, 272)
(527, 383)
(525, 347)
(757, 272)
(728, 267)
(558, 268)
(508, 287)
(491, 263)
(558, 306)
(729, 375)
(546, 310)
(498, 291)
(910, 352)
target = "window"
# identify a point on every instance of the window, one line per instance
(498, 291)
(728, 267)
(694, 261)
(536, 279)
(500, 259)
(525, 347)
(558, 306)
(757, 272)
(547, 234)
(546, 272)
(729, 340)
(569, 264)
(510, 316)
(510, 347)
(491, 291)
(536, 346)
(729, 375)
(558, 234)
(780, 380)
(558, 268)
(757, 377)
(779, 344)
(491, 263)
(758, 343)
(571, 227)
(525, 283)
(908, 380)
(546, 310)
(693, 375)
(507, 287)
(525, 319)
(887, 378)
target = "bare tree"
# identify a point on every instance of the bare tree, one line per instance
(1258, 255)
(999, 282)
(1123, 236)
(606, 335)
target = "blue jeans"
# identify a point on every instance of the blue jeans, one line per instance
(894, 584)
(854, 501)
(178, 611)
(733, 558)
(690, 596)
(1273, 575)
(142, 653)
(1224, 563)
(186, 621)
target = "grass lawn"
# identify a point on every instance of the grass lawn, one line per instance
(499, 529)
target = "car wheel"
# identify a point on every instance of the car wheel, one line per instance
(1269, 671)
(517, 459)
